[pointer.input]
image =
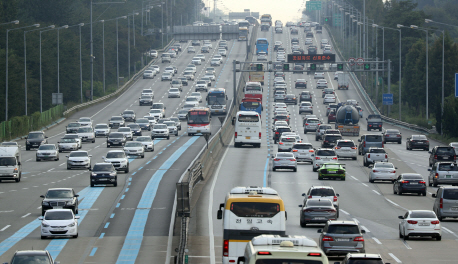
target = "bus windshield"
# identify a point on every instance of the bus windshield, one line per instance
(248, 118)
(252, 87)
(198, 117)
(252, 209)
(251, 104)
(216, 99)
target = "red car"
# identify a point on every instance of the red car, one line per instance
(332, 116)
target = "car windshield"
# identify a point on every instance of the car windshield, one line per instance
(445, 151)
(412, 177)
(343, 229)
(7, 161)
(143, 139)
(84, 130)
(133, 126)
(147, 91)
(288, 140)
(374, 138)
(451, 194)
(36, 136)
(302, 146)
(383, 165)
(59, 194)
(183, 111)
(133, 145)
(47, 147)
(317, 203)
(116, 135)
(420, 137)
(115, 155)
(174, 90)
(346, 144)
(389, 131)
(31, 259)
(191, 99)
(422, 214)
(322, 152)
(285, 155)
(102, 167)
(78, 154)
(128, 112)
(158, 106)
(160, 126)
(74, 125)
(85, 120)
(254, 209)
(333, 138)
(170, 123)
(58, 215)
(68, 140)
(101, 126)
(116, 118)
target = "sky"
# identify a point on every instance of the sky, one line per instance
(284, 10)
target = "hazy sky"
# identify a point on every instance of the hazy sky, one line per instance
(284, 10)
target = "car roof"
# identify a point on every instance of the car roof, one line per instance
(322, 187)
(117, 150)
(63, 189)
(31, 253)
(342, 222)
(364, 256)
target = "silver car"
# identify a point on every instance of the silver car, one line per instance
(320, 131)
(147, 142)
(303, 152)
(323, 192)
(382, 171)
(279, 96)
(317, 211)
(160, 130)
(134, 149)
(285, 144)
(284, 160)
(127, 131)
(102, 130)
(79, 159)
(173, 129)
(346, 148)
(311, 124)
(341, 237)
(306, 107)
(66, 144)
(47, 151)
(323, 155)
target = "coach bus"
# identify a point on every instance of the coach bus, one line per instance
(262, 45)
(199, 119)
(217, 100)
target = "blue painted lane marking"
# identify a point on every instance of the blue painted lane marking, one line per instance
(93, 252)
(101, 235)
(148, 162)
(140, 168)
(112, 215)
(127, 189)
(133, 173)
(265, 172)
(133, 241)
(118, 205)
(122, 197)
(128, 183)
(106, 225)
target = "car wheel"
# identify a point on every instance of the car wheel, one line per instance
(394, 191)
(69, 168)
(60, 151)
(400, 235)
(56, 159)
(303, 224)
(92, 184)
(27, 148)
(143, 156)
(371, 181)
(319, 177)
(424, 193)
(343, 179)
(440, 218)
(127, 170)
(439, 238)
(399, 142)
(434, 183)
(406, 237)
(295, 169)
(430, 184)
(75, 236)
(274, 169)
(43, 237)
(314, 169)
(38, 159)
(168, 137)
(115, 184)
(400, 192)
(43, 212)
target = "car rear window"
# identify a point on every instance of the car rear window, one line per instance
(302, 146)
(448, 167)
(377, 151)
(365, 261)
(322, 192)
(412, 177)
(343, 229)
(445, 151)
(374, 138)
(315, 203)
(451, 194)
(419, 137)
(288, 140)
(423, 214)
(326, 153)
(346, 144)
(333, 137)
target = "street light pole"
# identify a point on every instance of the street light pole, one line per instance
(103, 53)
(81, 65)
(117, 50)
(427, 66)
(400, 64)
(6, 79)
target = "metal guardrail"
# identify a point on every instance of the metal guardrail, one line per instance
(118, 91)
(369, 101)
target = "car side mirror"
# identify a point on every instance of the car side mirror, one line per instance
(42, 196)
(337, 194)
(370, 166)
(433, 195)
(303, 194)
(429, 169)
(40, 218)
(359, 140)
(90, 156)
(66, 156)
(77, 217)
(300, 205)
(319, 230)
(401, 217)
(363, 231)
(46, 137)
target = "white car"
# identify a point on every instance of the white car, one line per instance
(160, 131)
(279, 96)
(79, 159)
(85, 121)
(308, 41)
(148, 92)
(222, 52)
(151, 120)
(156, 113)
(346, 148)
(147, 142)
(119, 160)
(47, 151)
(192, 99)
(126, 131)
(59, 222)
(75, 136)
(218, 57)
(149, 74)
(189, 75)
(188, 106)
(134, 148)
(336, 75)
(174, 93)
(262, 56)
(303, 152)
(280, 106)
(420, 223)
(329, 98)
(322, 83)
(102, 130)
(198, 95)
(210, 75)
(306, 107)
(318, 75)
(171, 125)
(196, 61)
(191, 67)
(170, 70)
(191, 49)
(166, 76)
(156, 68)
(200, 56)
(201, 85)
(182, 114)
(67, 144)
(323, 155)
(382, 171)
(86, 134)
(215, 62)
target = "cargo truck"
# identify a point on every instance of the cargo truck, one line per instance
(343, 80)
(10, 163)
(347, 118)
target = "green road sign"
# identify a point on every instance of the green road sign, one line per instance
(313, 5)
(313, 67)
(340, 67)
(337, 20)
(367, 66)
(259, 67)
(286, 67)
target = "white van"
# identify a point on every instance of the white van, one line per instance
(10, 163)
(247, 128)
(282, 249)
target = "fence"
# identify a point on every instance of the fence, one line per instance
(19, 126)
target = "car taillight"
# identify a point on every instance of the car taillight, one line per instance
(335, 198)
(235, 134)
(412, 222)
(281, 143)
(313, 254)
(435, 222)
(422, 182)
(338, 147)
(398, 135)
(276, 159)
(386, 156)
(294, 150)
(292, 159)
(404, 181)
(360, 238)
(441, 203)
(328, 238)
(317, 158)
(435, 156)
(335, 158)
(383, 145)
(306, 124)
(374, 170)
(264, 253)
(437, 175)
(259, 135)
(226, 248)
(369, 156)
(276, 133)
(353, 148)
(311, 150)
(364, 145)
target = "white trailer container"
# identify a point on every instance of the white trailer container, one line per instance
(10, 163)
(343, 81)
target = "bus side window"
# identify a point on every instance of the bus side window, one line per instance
(233, 120)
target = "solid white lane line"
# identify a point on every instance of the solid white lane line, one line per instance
(345, 212)
(3, 229)
(24, 216)
(395, 258)
(405, 244)
(377, 241)
(376, 192)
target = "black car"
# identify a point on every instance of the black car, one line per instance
(441, 154)
(35, 139)
(312, 50)
(104, 173)
(144, 124)
(72, 127)
(309, 34)
(116, 121)
(195, 43)
(392, 135)
(116, 139)
(290, 99)
(184, 81)
(136, 129)
(298, 68)
(417, 142)
(280, 131)
(300, 83)
(32, 256)
(305, 96)
(409, 183)
(295, 40)
(129, 115)
(330, 140)
(281, 117)
(145, 100)
(59, 198)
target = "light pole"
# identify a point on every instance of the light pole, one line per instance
(117, 50)
(427, 65)
(58, 58)
(400, 53)
(103, 53)
(128, 40)
(25, 63)
(6, 90)
(81, 65)
(162, 26)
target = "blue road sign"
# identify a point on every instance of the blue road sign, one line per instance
(387, 99)
(456, 84)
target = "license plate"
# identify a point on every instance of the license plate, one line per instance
(342, 239)
(102, 179)
(454, 208)
(332, 172)
(198, 131)
(444, 157)
(58, 229)
(319, 218)
(423, 224)
(448, 176)
(57, 207)
(216, 110)
(413, 183)
(247, 137)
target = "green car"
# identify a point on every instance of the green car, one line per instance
(332, 171)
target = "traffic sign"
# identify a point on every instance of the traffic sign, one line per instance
(340, 66)
(387, 99)
(456, 84)
(360, 61)
(367, 66)
(351, 61)
(313, 5)
(312, 58)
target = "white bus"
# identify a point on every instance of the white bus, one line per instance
(199, 119)
(273, 249)
(247, 128)
(249, 212)
(217, 100)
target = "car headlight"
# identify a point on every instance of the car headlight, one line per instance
(113, 174)
(94, 174)
(45, 203)
(87, 160)
(69, 202)
(72, 224)
(44, 225)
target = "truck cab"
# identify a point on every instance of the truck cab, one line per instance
(10, 163)
(374, 122)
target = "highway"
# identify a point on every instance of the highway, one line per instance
(129, 223)
(373, 205)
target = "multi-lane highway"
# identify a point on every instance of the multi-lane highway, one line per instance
(373, 205)
(129, 223)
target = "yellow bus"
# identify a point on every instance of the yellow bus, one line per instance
(249, 212)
